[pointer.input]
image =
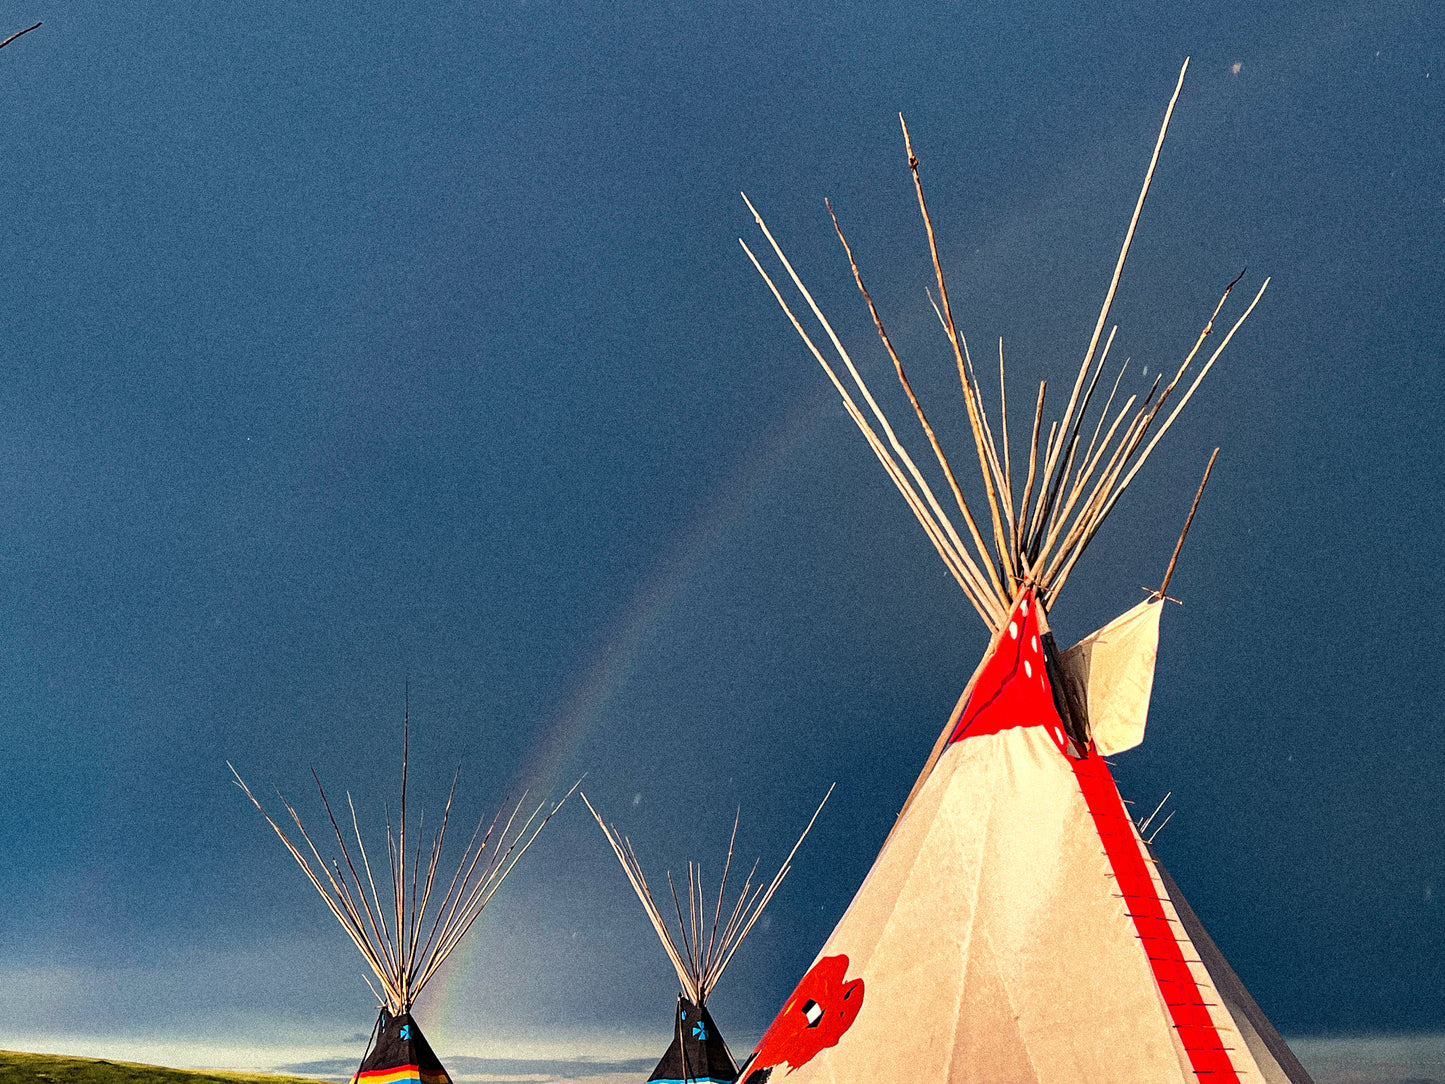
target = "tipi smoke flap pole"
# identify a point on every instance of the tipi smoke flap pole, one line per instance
(1178, 546)
(19, 34)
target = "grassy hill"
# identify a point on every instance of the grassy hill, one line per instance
(17, 1068)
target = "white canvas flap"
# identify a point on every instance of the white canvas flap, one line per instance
(1114, 670)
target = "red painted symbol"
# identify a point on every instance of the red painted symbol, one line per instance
(821, 1009)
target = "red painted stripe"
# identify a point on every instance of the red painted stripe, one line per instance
(1187, 1008)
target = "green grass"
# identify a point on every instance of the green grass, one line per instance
(17, 1068)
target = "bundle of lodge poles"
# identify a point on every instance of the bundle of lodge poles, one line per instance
(1069, 487)
(406, 932)
(699, 950)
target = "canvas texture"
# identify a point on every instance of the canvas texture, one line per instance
(1113, 669)
(1011, 929)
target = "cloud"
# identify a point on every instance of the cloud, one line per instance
(1386, 1059)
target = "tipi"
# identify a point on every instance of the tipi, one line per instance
(406, 932)
(700, 952)
(1015, 925)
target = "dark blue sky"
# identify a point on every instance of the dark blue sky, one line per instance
(354, 344)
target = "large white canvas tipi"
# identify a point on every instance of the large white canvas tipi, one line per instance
(1015, 926)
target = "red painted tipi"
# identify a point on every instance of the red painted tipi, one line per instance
(1016, 927)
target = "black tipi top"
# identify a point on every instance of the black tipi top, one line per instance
(401, 1055)
(698, 1054)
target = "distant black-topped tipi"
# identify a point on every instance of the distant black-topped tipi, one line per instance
(698, 1053)
(700, 951)
(400, 1054)
(407, 938)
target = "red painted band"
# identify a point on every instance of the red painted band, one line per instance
(1187, 1009)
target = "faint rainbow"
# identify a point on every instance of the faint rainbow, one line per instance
(613, 664)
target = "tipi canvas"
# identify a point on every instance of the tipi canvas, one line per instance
(1015, 926)
(399, 1054)
(697, 1054)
